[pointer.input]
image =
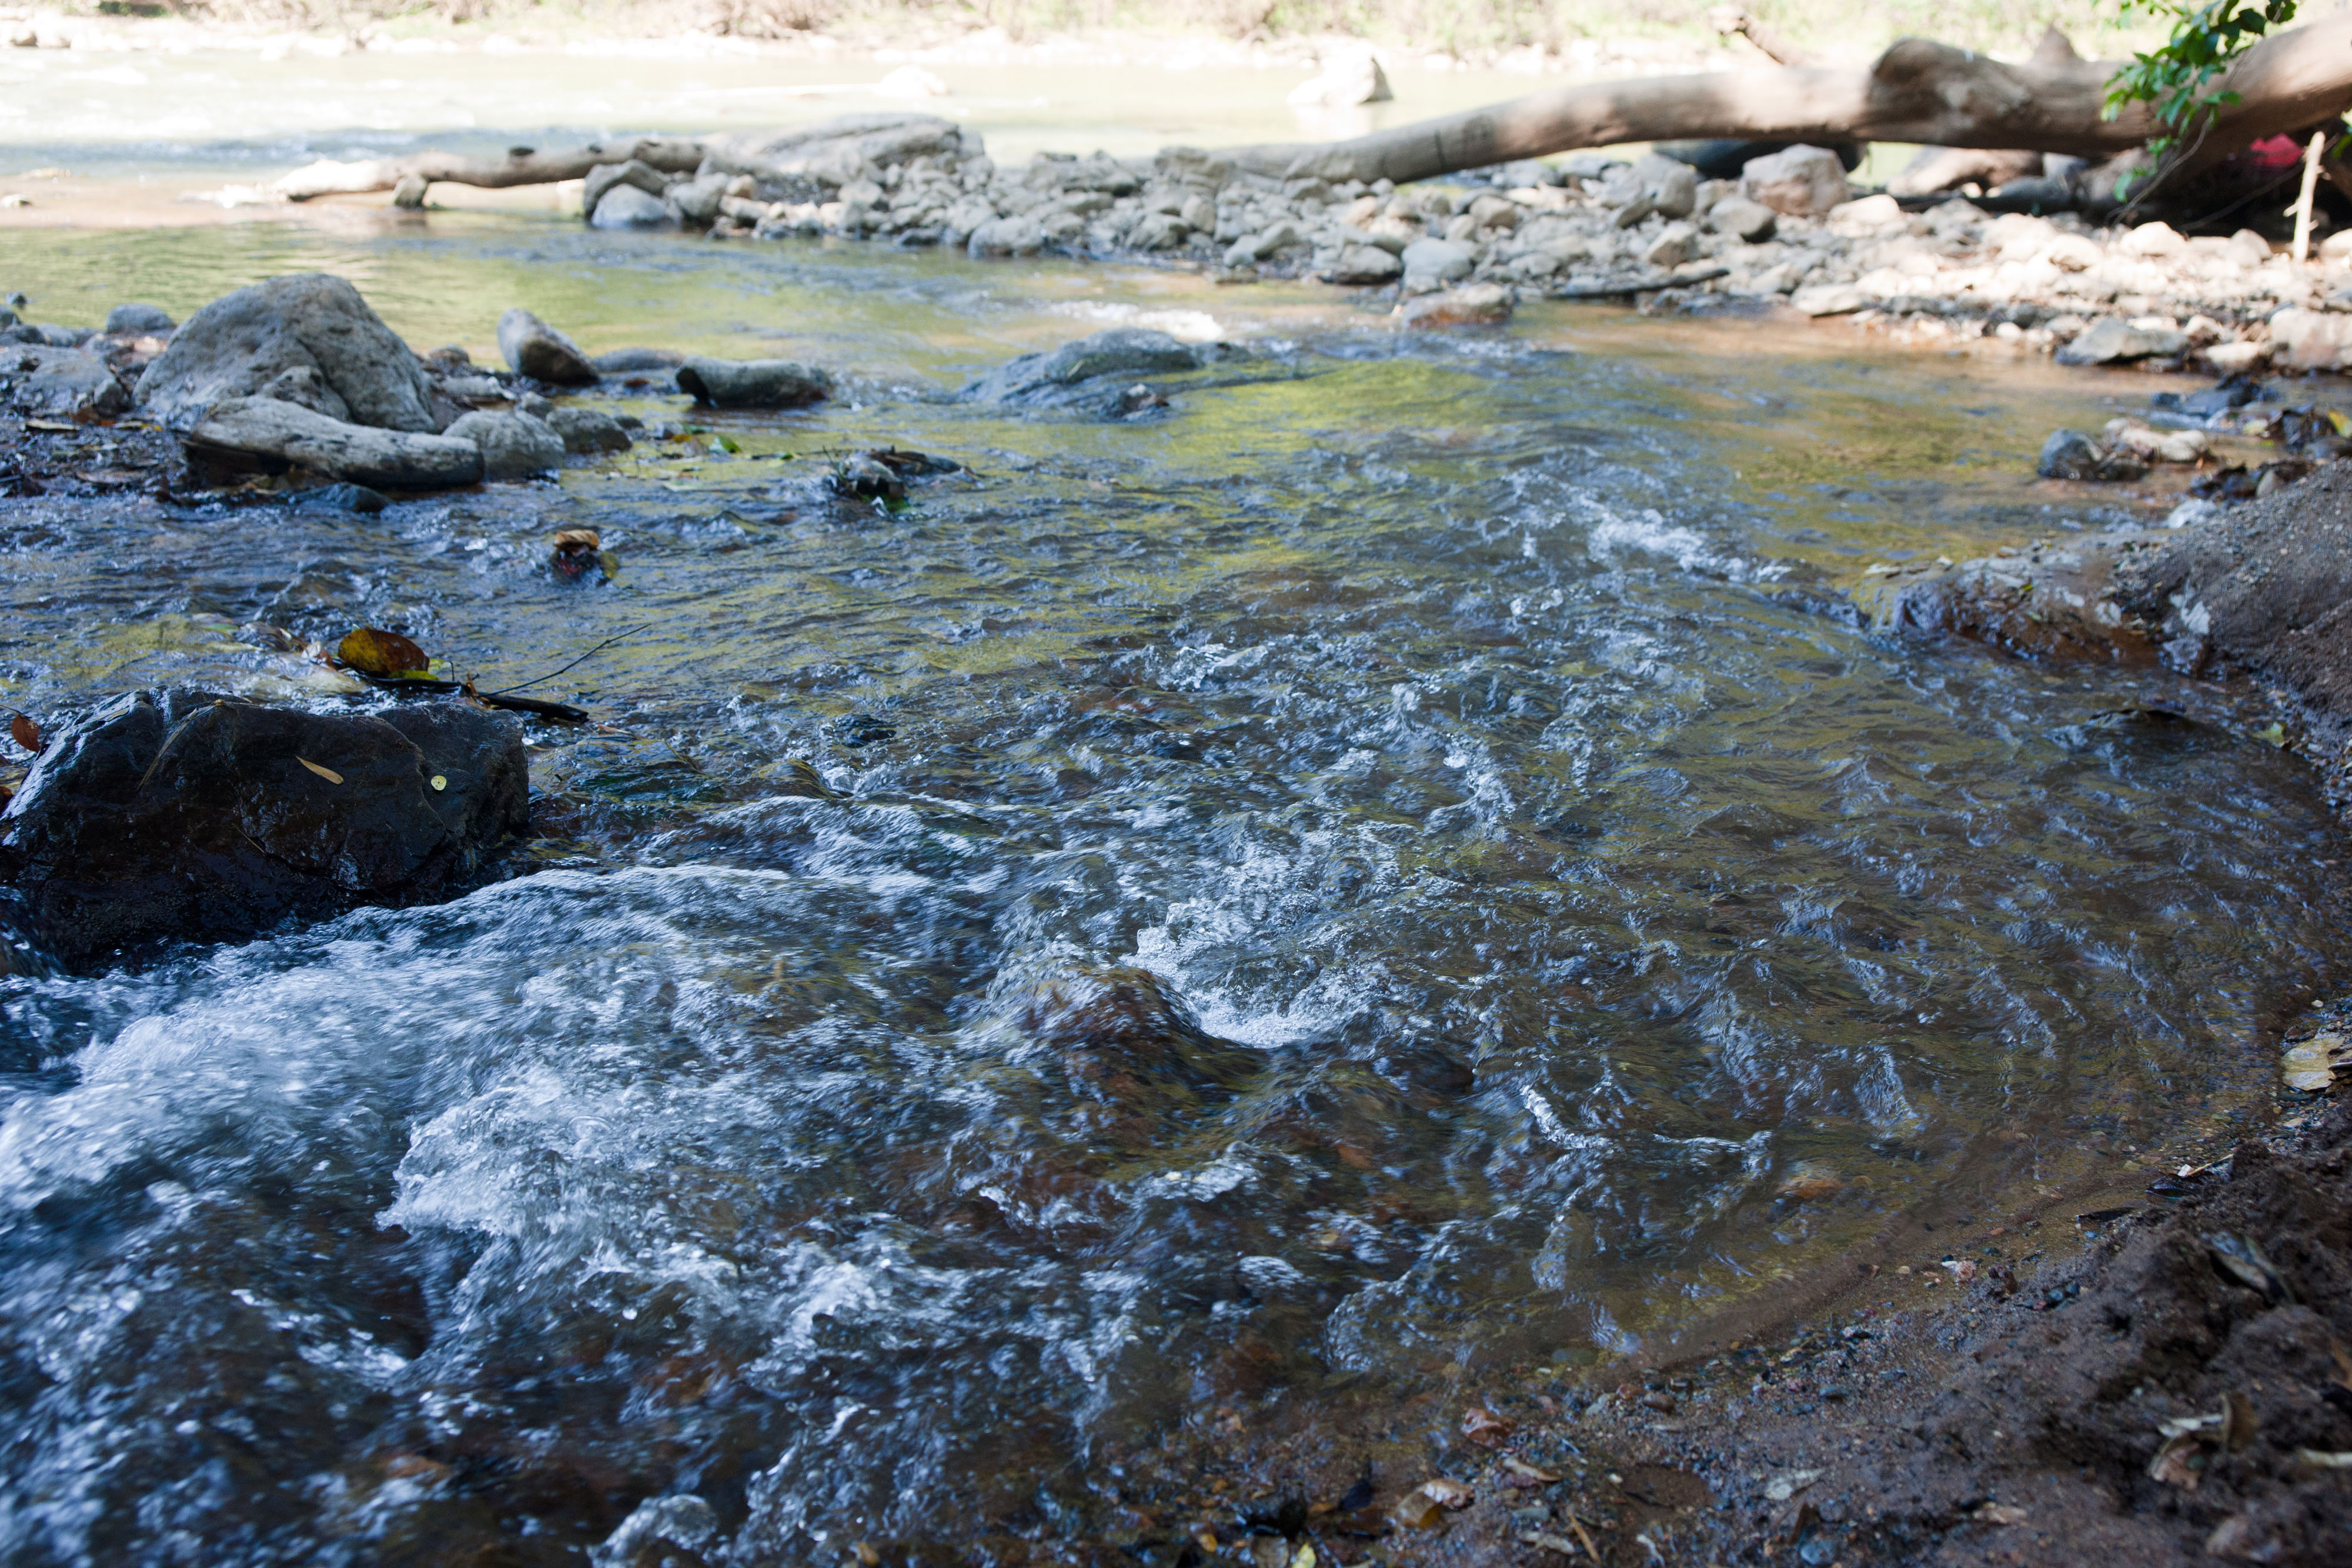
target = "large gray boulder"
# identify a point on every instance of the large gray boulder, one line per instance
(586, 430)
(63, 382)
(236, 346)
(166, 816)
(2111, 341)
(512, 445)
(138, 319)
(536, 350)
(752, 383)
(626, 207)
(1802, 181)
(1432, 264)
(248, 435)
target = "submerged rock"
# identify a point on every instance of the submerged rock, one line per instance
(752, 383)
(1092, 373)
(241, 343)
(512, 445)
(66, 383)
(262, 435)
(2045, 601)
(536, 350)
(176, 816)
(1474, 305)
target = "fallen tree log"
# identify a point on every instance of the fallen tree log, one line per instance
(1918, 91)
(520, 166)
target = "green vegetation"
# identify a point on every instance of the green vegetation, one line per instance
(2176, 75)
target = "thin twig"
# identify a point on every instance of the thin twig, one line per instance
(575, 664)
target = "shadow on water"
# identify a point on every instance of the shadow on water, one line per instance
(1255, 909)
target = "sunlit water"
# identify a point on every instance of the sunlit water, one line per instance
(1459, 731)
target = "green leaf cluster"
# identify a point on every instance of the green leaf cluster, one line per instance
(2175, 76)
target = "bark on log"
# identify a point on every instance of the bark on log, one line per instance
(1916, 92)
(520, 166)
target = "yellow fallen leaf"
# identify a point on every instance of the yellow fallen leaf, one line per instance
(328, 774)
(2308, 1066)
(384, 654)
(440, 782)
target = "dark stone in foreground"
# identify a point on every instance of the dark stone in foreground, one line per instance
(180, 815)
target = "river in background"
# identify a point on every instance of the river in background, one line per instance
(1396, 869)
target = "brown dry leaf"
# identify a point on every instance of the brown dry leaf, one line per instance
(387, 655)
(328, 774)
(1549, 1543)
(2000, 1513)
(1416, 1511)
(24, 733)
(866, 1554)
(1809, 1181)
(1485, 1428)
(1527, 1471)
(1448, 1493)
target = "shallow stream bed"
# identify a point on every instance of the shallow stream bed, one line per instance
(1395, 867)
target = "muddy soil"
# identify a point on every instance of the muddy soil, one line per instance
(2024, 1421)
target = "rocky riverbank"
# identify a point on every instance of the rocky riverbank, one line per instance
(1700, 227)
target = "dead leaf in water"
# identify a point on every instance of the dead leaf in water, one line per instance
(1527, 1472)
(328, 774)
(24, 733)
(1549, 1543)
(1485, 1428)
(2000, 1513)
(1448, 1493)
(2311, 1066)
(387, 655)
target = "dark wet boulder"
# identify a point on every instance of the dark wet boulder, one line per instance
(241, 343)
(2071, 455)
(64, 382)
(752, 383)
(1097, 375)
(536, 350)
(341, 498)
(138, 319)
(175, 816)
(262, 435)
(512, 445)
(2049, 600)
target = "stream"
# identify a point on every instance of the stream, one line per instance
(1389, 872)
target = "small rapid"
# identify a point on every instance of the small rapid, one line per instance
(1392, 871)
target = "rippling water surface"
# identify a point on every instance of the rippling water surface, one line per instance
(1390, 871)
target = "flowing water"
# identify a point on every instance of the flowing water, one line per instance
(1390, 869)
